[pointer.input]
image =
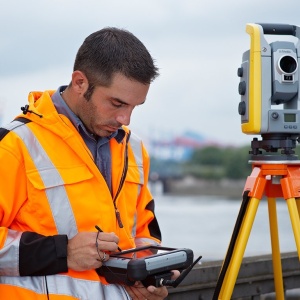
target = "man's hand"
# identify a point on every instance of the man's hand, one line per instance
(82, 251)
(139, 292)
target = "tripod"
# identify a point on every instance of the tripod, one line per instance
(273, 178)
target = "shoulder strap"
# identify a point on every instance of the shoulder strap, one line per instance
(15, 123)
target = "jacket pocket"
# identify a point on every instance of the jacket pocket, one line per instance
(56, 197)
(135, 174)
(52, 177)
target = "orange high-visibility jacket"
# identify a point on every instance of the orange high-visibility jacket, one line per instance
(51, 188)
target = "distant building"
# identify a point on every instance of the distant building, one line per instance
(178, 148)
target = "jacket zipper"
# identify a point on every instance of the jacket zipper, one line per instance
(125, 168)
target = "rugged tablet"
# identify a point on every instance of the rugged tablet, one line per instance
(149, 264)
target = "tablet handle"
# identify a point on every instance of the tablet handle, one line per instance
(177, 281)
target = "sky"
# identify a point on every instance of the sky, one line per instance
(196, 44)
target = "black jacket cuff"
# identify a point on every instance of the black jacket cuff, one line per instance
(42, 255)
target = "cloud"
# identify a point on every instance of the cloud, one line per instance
(198, 46)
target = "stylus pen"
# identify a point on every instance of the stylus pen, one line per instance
(100, 230)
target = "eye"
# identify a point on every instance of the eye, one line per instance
(116, 103)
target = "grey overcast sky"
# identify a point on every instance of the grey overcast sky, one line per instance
(197, 45)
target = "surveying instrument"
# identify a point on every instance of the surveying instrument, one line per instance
(270, 99)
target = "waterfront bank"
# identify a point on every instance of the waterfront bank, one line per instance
(255, 280)
(193, 186)
(205, 224)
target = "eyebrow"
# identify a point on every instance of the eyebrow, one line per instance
(123, 102)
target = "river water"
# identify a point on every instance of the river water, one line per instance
(205, 224)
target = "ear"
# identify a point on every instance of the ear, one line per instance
(79, 82)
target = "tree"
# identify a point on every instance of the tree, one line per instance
(211, 156)
(214, 162)
(236, 163)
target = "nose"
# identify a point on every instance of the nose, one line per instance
(124, 117)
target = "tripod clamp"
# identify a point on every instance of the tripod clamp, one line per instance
(271, 144)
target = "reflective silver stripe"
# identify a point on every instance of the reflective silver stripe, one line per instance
(68, 286)
(136, 146)
(12, 125)
(35, 283)
(133, 229)
(144, 241)
(9, 254)
(63, 214)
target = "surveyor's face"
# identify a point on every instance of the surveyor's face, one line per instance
(110, 107)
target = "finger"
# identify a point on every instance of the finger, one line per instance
(176, 274)
(131, 292)
(137, 291)
(108, 237)
(102, 256)
(160, 292)
(107, 244)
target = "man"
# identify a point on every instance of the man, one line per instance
(68, 164)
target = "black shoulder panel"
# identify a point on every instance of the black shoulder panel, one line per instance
(23, 120)
(4, 131)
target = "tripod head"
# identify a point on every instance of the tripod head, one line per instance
(274, 147)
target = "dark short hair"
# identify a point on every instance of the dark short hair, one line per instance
(112, 50)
